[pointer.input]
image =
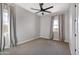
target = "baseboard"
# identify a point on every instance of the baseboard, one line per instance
(34, 39)
(44, 37)
(27, 40)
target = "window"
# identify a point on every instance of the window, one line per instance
(5, 22)
(5, 18)
(55, 25)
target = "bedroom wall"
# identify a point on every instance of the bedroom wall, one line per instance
(45, 26)
(27, 25)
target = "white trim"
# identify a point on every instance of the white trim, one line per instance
(44, 37)
(26, 40)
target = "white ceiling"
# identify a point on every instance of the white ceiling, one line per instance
(57, 7)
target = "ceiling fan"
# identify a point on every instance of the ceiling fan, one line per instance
(42, 9)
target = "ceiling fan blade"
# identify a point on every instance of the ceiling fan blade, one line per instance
(47, 11)
(41, 4)
(35, 9)
(48, 8)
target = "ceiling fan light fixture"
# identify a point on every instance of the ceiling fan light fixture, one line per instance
(42, 13)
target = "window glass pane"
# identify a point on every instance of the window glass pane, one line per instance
(55, 25)
(5, 18)
(5, 22)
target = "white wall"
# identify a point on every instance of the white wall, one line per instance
(45, 26)
(27, 25)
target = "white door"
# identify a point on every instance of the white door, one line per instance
(77, 29)
(72, 29)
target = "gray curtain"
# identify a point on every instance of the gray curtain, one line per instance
(51, 28)
(5, 38)
(61, 27)
(13, 27)
(12, 18)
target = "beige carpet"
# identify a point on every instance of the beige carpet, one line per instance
(41, 47)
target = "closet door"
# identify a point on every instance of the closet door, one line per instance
(77, 29)
(72, 17)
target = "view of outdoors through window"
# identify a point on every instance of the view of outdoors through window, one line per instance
(5, 22)
(55, 26)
